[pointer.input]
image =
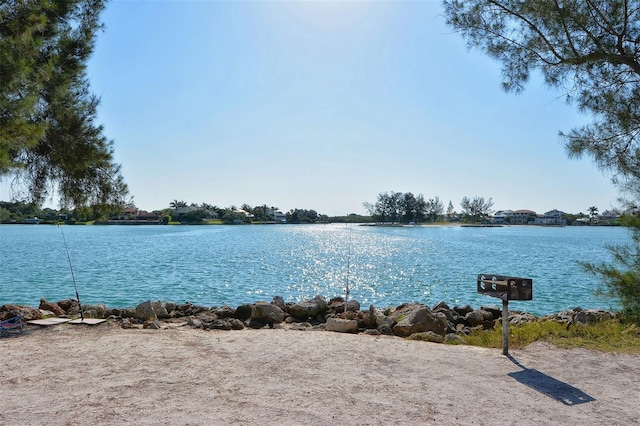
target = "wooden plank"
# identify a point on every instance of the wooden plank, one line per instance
(49, 321)
(89, 321)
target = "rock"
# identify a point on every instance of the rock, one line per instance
(372, 332)
(477, 317)
(385, 329)
(95, 311)
(217, 324)
(255, 324)
(337, 305)
(243, 312)
(267, 313)
(416, 318)
(128, 313)
(225, 312)
(453, 339)
(279, 302)
(521, 318)
(152, 325)
(194, 322)
(342, 325)
(27, 313)
(160, 309)
(309, 308)
(427, 336)
(592, 316)
(145, 312)
(494, 310)
(380, 317)
(463, 310)
(170, 307)
(236, 324)
(68, 305)
(301, 326)
(51, 306)
(187, 309)
(441, 307)
(127, 323)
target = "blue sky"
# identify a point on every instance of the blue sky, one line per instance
(323, 105)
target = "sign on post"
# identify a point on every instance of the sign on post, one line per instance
(505, 288)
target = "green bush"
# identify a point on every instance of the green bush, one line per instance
(621, 278)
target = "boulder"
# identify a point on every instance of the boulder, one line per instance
(243, 312)
(145, 311)
(225, 312)
(128, 313)
(28, 313)
(453, 339)
(442, 306)
(463, 310)
(416, 318)
(267, 313)
(95, 311)
(217, 324)
(279, 302)
(186, 310)
(337, 305)
(477, 317)
(494, 310)
(170, 307)
(309, 308)
(592, 316)
(342, 325)
(160, 309)
(427, 336)
(516, 318)
(381, 318)
(385, 329)
(52, 307)
(69, 306)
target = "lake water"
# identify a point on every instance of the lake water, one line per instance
(217, 265)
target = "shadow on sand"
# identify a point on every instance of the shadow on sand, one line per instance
(549, 386)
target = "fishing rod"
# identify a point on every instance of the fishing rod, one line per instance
(347, 290)
(73, 276)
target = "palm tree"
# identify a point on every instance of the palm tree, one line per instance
(593, 213)
(175, 204)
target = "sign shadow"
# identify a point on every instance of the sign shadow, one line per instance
(547, 385)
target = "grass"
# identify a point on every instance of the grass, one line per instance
(605, 336)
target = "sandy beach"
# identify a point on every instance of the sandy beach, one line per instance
(78, 374)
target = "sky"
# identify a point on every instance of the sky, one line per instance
(324, 105)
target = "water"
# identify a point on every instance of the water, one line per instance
(217, 265)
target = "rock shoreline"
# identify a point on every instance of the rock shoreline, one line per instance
(439, 323)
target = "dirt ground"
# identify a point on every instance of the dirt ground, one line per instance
(78, 374)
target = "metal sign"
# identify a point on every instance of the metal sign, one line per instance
(505, 288)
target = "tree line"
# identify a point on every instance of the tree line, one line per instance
(181, 211)
(398, 207)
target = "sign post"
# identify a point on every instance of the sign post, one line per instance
(505, 288)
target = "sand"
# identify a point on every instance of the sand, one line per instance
(78, 374)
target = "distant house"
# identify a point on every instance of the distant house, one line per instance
(245, 213)
(609, 217)
(277, 216)
(128, 213)
(502, 216)
(181, 211)
(523, 217)
(553, 217)
(135, 216)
